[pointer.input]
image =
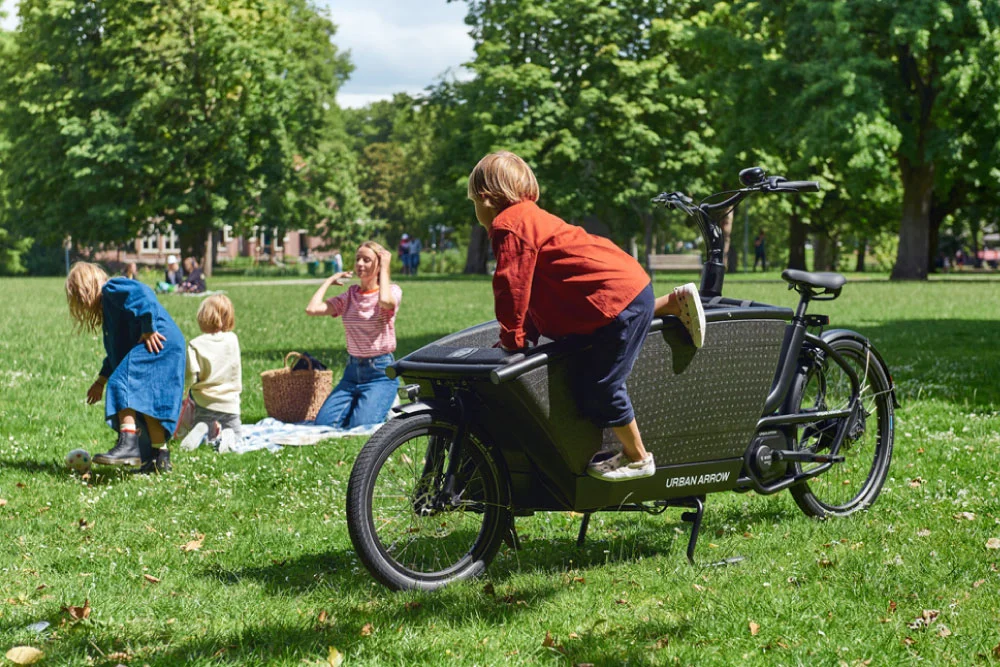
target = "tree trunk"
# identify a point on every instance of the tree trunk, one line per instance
(914, 227)
(821, 251)
(862, 248)
(206, 265)
(796, 241)
(730, 251)
(647, 237)
(479, 251)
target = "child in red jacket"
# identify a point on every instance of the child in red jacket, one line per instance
(555, 279)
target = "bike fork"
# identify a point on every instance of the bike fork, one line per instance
(454, 452)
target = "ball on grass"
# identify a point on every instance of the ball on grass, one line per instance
(78, 460)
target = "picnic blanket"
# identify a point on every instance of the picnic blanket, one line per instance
(273, 435)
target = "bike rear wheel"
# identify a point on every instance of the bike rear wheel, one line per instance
(404, 529)
(855, 483)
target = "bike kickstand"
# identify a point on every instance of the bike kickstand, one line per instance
(511, 538)
(695, 519)
(582, 536)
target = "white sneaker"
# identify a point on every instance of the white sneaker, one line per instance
(692, 314)
(227, 440)
(619, 468)
(195, 437)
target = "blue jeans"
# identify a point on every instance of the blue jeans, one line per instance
(362, 397)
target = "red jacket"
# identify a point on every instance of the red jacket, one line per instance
(555, 279)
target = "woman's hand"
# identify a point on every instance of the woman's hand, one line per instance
(153, 341)
(341, 278)
(95, 393)
(384, 258)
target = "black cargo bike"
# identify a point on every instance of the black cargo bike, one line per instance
(774, 400)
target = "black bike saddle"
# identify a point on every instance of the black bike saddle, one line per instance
(821, 282)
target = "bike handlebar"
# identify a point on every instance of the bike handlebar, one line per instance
(794, 186)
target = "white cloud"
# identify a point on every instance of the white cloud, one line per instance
(8, 22)
(400, 46)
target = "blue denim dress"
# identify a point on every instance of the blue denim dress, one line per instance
(149, 383)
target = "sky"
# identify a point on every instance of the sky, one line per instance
(395, 45)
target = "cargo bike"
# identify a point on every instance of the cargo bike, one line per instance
(774, 400)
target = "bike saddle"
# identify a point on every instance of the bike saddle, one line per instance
(823, 282)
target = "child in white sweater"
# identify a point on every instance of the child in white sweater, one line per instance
(215, 377)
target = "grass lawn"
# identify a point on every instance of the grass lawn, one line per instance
(269, 576)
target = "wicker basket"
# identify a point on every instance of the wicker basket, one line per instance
(295, 396)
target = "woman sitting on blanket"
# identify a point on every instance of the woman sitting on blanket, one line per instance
(364, 394)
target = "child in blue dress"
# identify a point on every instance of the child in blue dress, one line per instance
(143, 370)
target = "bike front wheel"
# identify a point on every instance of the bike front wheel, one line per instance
(855, 483)
(410, 532)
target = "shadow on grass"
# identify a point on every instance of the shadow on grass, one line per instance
(99, 475)
(956, 361)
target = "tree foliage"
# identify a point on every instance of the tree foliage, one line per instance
(195, 113)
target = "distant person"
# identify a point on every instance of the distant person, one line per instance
(132, 271)
(404, 253)
(415, 247)
(365, 393)
(143, 369)
(338, 261)
(760, 252)
(215, 377)
(195, 281)
(173, 275)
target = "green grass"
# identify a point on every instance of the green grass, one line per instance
(275, 580)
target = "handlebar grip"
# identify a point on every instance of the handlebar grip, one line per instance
(519, 368)
(797, 186)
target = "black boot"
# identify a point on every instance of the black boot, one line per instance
(126, 451)
(160, 462)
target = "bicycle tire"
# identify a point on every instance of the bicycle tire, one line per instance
(856, 483)
(438, 544)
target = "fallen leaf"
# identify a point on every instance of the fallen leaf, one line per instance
(943, 631)
(979, 583)
(782, 644)
(824, 562)
(119, 656)
(620, 601)
(579, 580)
(996, 651)
(698, 587)
(573, 635)
(24, 655)
(322, 617)
(892, 606)
(993, 543)
(3, 501)
(194, 544)
(150, 578)
(909, 641)
(968, 516)
(548, 642)
(411, 606)
(662, 642)
(366, 629)
(923, 532)
(754, 629)
(335, 658)
(44, 509)
(916, 482)
(78, 613)
(488, 589)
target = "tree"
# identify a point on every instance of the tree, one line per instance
(907, 78)
(593, 95)
(197, 113)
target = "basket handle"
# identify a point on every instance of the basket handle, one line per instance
(298, 356)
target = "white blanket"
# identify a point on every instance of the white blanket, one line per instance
(272, 435)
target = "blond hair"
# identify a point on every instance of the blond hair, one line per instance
(83, 294)
(216, 314)
(502, 179)
(378, 249)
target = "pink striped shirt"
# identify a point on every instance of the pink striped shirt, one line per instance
(370, 330)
